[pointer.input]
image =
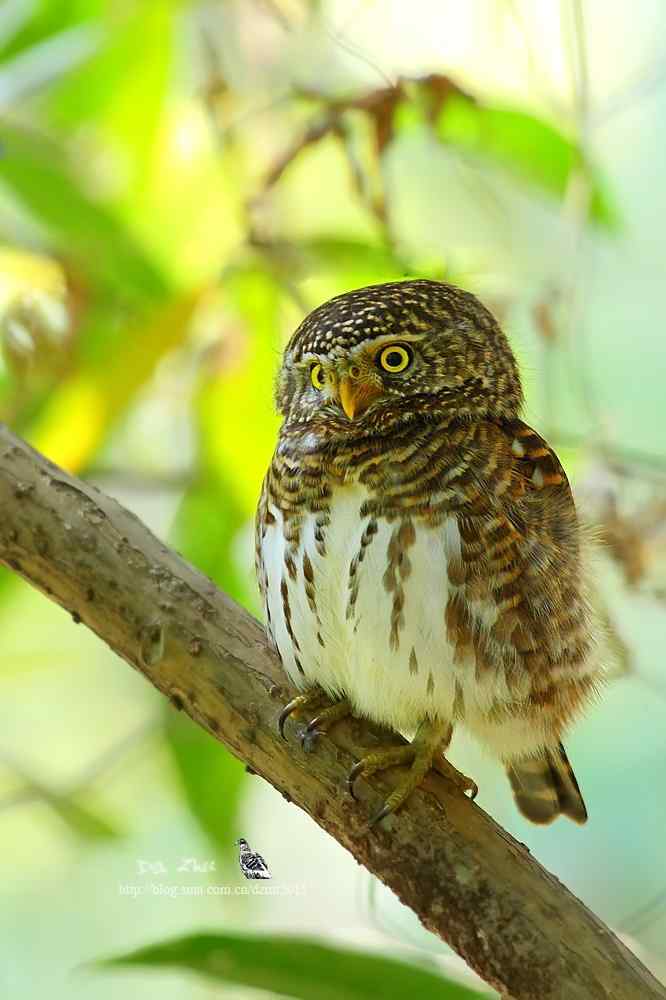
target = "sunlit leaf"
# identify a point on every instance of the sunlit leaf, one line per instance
(76, 417)
(356, 262)
(295, 967)
(238, 420)
(82, 230)
(530, 148)
(125, 104)
(36, 21)
(22, 272)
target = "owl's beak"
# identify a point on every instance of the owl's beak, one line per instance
(355, 396)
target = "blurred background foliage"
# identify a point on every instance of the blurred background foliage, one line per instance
(180, 182)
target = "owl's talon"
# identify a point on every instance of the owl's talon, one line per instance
(430, 738)
(379, 815)
(297, 703)
(352, 776)
(467, 786)
(319, 725)
(309, 739)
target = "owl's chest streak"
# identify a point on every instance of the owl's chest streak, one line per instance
(356, 603)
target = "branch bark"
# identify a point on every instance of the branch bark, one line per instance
(466, 879)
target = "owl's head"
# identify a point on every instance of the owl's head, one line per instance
(394, 353)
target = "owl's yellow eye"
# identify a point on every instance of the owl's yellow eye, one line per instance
(318, 376)
(394, 359)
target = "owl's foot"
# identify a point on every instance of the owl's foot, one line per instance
(312, 700)
(467, 786)
(323, 721)
(420, 753)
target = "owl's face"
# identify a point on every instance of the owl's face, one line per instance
(394, 353)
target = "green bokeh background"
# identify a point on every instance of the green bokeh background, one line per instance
(148, 280)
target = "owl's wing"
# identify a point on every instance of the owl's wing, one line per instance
(517, 599)
(518, 607)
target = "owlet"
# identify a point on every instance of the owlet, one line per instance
(418, 548)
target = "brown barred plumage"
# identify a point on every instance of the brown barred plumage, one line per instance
(418, 548)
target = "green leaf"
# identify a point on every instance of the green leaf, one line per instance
(77, 416)
(212, 779)
(355, 263)
(82, 230)
(296, 967)
(530, 148)
(40, 20)
(235, 428)
(85, 823)
(107, 90)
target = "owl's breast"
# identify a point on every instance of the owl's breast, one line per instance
(356, 604)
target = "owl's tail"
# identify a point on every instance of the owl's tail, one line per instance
(545, 787)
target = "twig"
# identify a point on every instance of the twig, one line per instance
(33, 790)
(466, 879)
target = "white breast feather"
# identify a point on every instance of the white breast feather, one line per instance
(357, 657)
(395, 686)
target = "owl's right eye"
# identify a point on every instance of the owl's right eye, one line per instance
(318, 376)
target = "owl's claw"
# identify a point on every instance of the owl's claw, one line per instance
(309, 739)
(320, 723)
(353, 775)
(420, 753)
(379, 815)
(299, 702)
(379, 761)
(467, 785)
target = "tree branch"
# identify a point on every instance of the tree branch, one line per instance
(466, 878)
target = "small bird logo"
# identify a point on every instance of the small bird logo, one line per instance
(251, 864)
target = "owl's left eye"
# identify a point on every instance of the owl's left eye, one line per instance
(318, 376)
(394, 359)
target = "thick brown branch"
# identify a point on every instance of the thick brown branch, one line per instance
(465, 878)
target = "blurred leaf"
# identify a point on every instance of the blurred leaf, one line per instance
(85, 823)
(76, 417)
(125, 103)
(235, 428)
(527, 146)
(338, 253)
(82, 230)
(356, 262)
(38, 68)
(26, 23)
(212, 779)
(22, 272)
(238, 420)
(205, 529)
(296, 967)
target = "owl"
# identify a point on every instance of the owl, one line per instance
(418, 550)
